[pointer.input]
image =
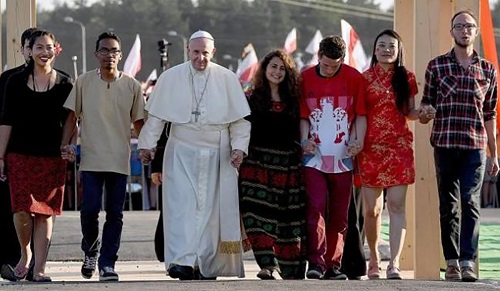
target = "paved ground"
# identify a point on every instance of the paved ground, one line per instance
(138, 268)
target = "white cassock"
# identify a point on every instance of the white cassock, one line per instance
(200, 193)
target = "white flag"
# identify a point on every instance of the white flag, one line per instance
(313, 48)
(355, 54)
(291, 41)
(133, 62)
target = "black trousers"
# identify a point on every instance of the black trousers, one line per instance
(353, 259)
(10, 253)
(159, 238)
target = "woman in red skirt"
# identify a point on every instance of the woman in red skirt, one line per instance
(30, 158)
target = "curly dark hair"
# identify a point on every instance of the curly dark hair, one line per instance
(332, 47)
(400, 78)
(289, 88)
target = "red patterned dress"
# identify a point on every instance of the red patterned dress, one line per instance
(387, 157)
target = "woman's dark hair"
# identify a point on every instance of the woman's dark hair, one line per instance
(399, 80)
(288, 88)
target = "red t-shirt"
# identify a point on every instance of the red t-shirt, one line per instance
(331, 105)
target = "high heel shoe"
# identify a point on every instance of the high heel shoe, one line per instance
(373, 270)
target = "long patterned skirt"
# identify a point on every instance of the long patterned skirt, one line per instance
(36, 183)
(272, 202)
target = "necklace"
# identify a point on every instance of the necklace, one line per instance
(197, 100)
(48, 82)
(277, 106)
(387, 89)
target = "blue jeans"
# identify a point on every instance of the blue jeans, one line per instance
(459, 179)
(92, 189)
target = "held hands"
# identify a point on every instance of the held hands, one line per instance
(309, 147)
(426, 113)
(68, 152)
(147, 155)
(157, 178)
(236, 158)
(354, 148)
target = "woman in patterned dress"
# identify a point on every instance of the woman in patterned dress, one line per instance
(30, 138)
(272, 196)
(386, 161)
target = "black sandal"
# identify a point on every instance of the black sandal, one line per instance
(41, 279)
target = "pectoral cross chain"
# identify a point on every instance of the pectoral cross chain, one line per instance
(196, 114)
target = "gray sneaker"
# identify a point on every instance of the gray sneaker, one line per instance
(468, 274)
(452, 273)
(108, 274)
(88, 266)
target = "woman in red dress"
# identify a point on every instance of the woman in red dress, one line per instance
(30, 158)
(386, 161)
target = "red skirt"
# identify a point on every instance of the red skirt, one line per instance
(36, 183)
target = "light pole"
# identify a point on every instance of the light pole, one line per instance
(70, 19)
(184, 42)
(75, 68)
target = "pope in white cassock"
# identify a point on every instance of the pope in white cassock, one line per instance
(209, 136)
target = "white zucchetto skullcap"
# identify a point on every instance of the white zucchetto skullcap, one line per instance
(201, 34)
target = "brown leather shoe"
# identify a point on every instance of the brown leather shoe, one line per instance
(265, 274)
(468, 274)
(452, 273)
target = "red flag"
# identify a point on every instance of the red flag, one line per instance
(133, 62)
(355, 55)
(291, 41)
(248, 65)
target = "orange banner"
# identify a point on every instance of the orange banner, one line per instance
(488, 40)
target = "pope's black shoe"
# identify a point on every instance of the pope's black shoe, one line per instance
(199, 276)
(181, 272)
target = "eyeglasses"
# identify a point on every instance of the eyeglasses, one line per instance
(461, 26)
(107, 52)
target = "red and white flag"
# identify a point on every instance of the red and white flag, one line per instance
(291, 41)
(248, 65)
(313, 48)
(151, 78)
(355, 54)
(133, 62)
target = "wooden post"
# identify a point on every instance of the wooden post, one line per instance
(404, 25)
(432, 38)
(20, 15)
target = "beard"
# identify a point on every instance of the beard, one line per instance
(463, 44)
